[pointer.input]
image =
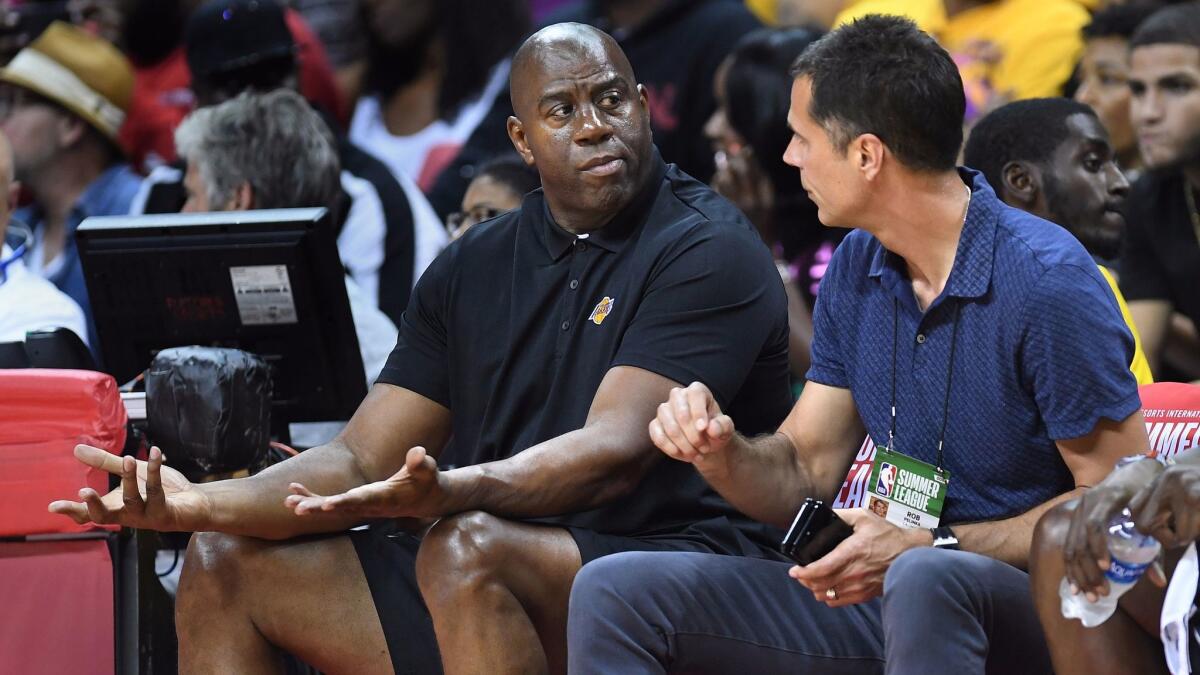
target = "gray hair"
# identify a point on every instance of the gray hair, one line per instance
(275, 142)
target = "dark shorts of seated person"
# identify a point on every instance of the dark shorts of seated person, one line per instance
(388, 558)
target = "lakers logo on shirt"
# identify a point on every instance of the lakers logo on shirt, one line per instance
(603, 309)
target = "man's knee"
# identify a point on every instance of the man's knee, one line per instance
(214, 570)
(616, 590)
(1050, 536)
(459, 551)
(924, 577)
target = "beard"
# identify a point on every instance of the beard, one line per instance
(391, 67)
(1089, 228)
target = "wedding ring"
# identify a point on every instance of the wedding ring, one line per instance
(831, 594)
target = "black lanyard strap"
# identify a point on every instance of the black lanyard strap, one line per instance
(949, 377)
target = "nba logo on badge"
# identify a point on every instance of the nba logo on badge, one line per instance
(603, 309)
(887, 477)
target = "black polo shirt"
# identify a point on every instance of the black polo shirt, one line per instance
(1162, 253)
(514, 326)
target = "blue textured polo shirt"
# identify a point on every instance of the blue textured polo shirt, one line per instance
(1042, 354)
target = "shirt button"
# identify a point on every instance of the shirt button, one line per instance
(566, 325)
(582, 247)
(920, 338)
(574, 284)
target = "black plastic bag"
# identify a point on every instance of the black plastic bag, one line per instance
(209, 409)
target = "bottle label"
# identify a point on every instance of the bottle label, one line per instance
(1123, 572)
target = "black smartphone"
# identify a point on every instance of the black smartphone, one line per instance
(815, 531)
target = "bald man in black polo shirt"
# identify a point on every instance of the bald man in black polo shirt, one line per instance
(533, 354)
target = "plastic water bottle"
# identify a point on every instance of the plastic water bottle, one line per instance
(1130, 553)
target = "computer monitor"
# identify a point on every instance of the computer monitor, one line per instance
(269, 282)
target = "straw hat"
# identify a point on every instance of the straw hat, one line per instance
(82, 73)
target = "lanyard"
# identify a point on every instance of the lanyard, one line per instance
(949, 367)
(18, 253)
(949, 377)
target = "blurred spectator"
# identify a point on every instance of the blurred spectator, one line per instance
(674, 46)
(62, 100)
(240, 45)
(1160, 270)
(748, 131)
(498, 188)
(434, 70)
(1052, 158)
(1005, 49)
(27, 301)
(342, 28)
(271, 151)
(22, 22)
(1104, 76)
(152, 33)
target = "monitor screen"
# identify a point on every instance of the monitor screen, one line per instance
(269, 282)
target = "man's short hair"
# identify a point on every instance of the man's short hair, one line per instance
(275, 142)
(1174, 25)
(881, 75)
(1120, 21)
(1022, 131)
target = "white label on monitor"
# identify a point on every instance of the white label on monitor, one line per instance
(264, 294)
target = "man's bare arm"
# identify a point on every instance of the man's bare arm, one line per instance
(1152, 318)
(389, 422)
(1090, 458)
(583, 469)
(371, 447)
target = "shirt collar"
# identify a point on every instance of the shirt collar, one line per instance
(102, 197)
(613, 236)
(971, 274)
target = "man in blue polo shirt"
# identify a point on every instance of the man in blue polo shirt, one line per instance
(976, 344)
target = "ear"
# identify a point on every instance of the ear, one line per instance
(1020, 185)
(644, 98)
(868, 153)
(243, 198)
(516, 134)
(70, 130)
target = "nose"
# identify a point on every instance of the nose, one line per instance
(593, 126)
(1118, 184)
(1146, 108)
(1086, 93)
(791, 155)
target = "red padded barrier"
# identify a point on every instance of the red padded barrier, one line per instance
(43, 415)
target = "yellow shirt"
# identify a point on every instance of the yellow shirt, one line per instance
(1140, 367)
(1034, 44)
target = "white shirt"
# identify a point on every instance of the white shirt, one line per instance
(407, 155)
(361, 241)
(28, 302)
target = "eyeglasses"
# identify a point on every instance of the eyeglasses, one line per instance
(460, 220)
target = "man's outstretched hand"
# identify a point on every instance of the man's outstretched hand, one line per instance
(416, 491)
(151, 496)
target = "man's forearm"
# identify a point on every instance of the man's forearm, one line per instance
(577, 471)
(761, 477)
(254, 506)
(1007, 540)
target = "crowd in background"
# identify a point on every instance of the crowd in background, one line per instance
(415, 95)
(394, 114)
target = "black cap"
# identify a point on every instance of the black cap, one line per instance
(226, 35)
